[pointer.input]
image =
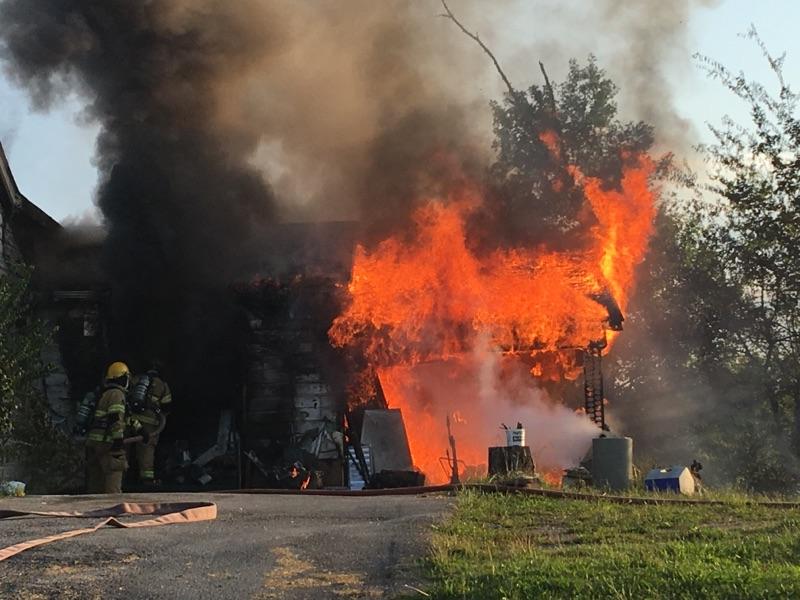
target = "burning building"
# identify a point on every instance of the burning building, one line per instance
(449, 329)
(424, 321)
(433, 292)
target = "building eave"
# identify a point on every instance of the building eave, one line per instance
(20, 205)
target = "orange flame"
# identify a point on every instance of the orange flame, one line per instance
(430, 296)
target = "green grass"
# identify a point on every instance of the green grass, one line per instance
(513, 546)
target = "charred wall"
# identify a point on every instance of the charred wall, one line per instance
(294, 382)
(257, 348)
(294, 388)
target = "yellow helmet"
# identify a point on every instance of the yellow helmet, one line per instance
(117, 370)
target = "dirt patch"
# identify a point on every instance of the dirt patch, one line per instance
(294, 574)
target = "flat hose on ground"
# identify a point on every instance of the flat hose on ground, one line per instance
(168, 513)
(190, 512)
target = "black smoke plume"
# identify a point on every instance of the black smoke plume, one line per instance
(346, 109)
(200, 104)
(175, 188)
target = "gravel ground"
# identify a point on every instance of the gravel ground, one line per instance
(260, 546)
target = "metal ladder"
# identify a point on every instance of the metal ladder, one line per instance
(593, 384)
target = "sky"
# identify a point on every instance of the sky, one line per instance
(51, 153)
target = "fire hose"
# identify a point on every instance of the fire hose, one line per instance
(191, 512)
(168, 513)
(162, 422)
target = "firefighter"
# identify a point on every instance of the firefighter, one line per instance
(150, 403)
(105, 452)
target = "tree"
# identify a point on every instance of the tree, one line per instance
(533, 189)
(709, 365)
(27, 433)
(757, 174)
(681, 385)
(22, 339)
(535, 196)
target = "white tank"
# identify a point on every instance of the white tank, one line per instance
(612, 463)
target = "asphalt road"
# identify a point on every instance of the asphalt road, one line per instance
(260, 546)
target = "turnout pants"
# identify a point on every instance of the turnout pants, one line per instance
(105, 469)
(146, 454)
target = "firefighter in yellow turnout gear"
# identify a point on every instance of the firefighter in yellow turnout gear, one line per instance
(105, 452)
(151, 401)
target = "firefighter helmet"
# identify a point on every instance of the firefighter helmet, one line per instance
(117, 370)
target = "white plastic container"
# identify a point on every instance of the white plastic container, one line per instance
(12, 488)
(515, 437)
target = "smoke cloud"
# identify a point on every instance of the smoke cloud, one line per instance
(644, 46)
(219, 119)
(199, 103)
(481, 391)
(654, 49)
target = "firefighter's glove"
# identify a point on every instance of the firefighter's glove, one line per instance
(117, 445)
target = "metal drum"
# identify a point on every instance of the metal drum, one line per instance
(612, 463)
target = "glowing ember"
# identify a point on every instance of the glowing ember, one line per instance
(430, 312)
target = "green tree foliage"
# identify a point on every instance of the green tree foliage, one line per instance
(534, 191)
(28, 436)
(757, 173)
(710, 364)
(682, 385)
(22, 339)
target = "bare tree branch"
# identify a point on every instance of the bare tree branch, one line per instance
(449, 15)
(551, 97)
